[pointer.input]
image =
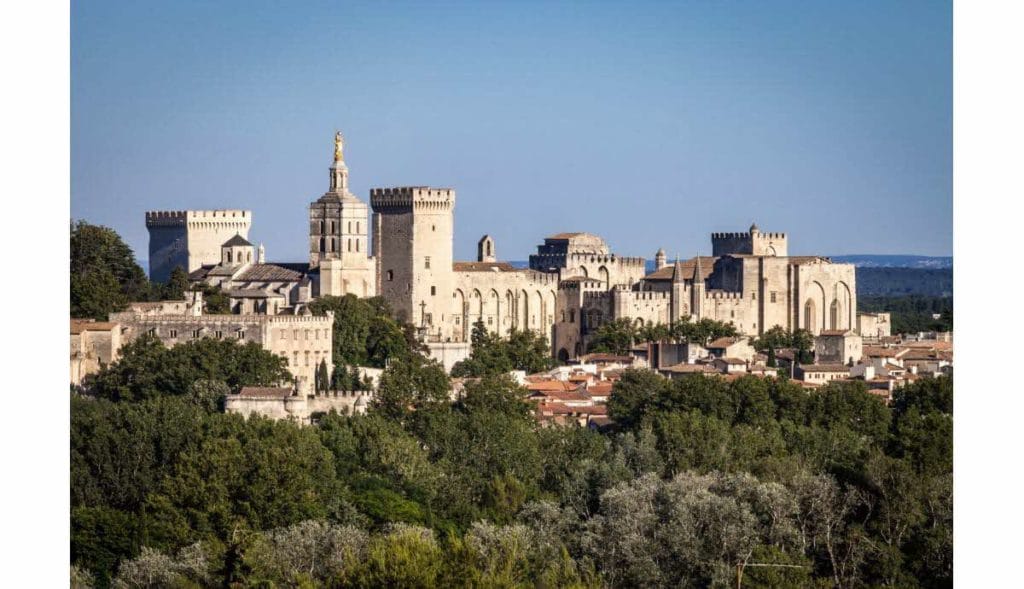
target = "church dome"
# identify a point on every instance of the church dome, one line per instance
(753, 228)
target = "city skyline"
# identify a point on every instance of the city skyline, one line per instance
(834, 128)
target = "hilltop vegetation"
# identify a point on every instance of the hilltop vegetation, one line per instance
(699, 476)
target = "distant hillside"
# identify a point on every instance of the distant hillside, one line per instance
(904, 282)
(880, 276)
(895, 261)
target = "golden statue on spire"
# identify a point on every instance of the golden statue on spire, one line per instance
(339, 143)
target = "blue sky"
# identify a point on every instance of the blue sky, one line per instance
(651, 124)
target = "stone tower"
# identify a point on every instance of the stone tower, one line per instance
(413, 234)
(338, 219)
(339, 236)
(660, 261)
(190, 239)
(485, 250)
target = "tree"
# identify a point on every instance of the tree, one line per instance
(615, 337)
(413, 382)
(104, 274)
(177, 285)
(364, 333)
(147, 369)
(492, 354)
(323, 379)
(215, 301)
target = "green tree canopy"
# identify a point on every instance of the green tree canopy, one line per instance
(104, 274)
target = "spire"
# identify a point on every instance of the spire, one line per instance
(698, 276)
(677, 271)
(339, 171)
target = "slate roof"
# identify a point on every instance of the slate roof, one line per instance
(237, 240)
(281, 272)
(707, 266)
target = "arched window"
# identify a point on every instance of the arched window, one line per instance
(229, 256)
(391, 275)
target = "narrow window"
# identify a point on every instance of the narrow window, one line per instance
(773, 296)
(240, 334)
(218, 334)
(426, 262)
(391, 275)
(174, 333)
(195, 334)
(433, 290)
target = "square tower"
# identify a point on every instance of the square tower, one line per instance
(190, 239)
(413, 233)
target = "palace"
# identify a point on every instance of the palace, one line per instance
(573, 285)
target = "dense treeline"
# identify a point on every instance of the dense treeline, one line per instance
(703, 474)
(912, 314)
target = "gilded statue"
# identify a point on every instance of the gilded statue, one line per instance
(339, 142)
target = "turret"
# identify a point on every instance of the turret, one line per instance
(659, 259)
(261, 255)
(697, 292)
(485, 250)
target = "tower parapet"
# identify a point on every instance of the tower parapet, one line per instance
(191, 239)
(753, 242)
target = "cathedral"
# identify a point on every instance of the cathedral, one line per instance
(574, 282)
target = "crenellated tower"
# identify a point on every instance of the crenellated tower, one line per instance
(413, 233)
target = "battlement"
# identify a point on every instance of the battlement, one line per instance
(405, 197)
(646, 295)
(201, 320)
(747, 235)
(182, 218)
(723, 295)
(753, 242)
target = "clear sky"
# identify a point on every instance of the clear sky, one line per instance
(652, 124)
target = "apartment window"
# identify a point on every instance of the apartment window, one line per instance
(295, 334)
(350, 226)
(458, 320)
(773, 296)
(490, 321)
(152, 331)
(357, 245)
(240, 334)
(307, 358)
(426, 262)
(357, 226)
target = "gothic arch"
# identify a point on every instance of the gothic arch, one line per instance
(493, 308)
(604, 276)
(845, 296)
(460, 310)
(810, 314)
(583, 272)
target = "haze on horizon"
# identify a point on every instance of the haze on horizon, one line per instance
(648, 124)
